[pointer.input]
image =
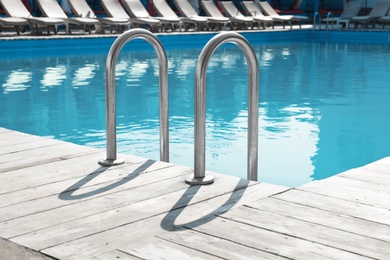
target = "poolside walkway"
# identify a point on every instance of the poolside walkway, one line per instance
(57, 202)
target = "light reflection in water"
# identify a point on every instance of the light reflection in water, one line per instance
(322, 107)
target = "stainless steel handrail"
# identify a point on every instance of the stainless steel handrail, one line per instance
(111, 99)
(315, 21)
(199, 176)
(327, 20)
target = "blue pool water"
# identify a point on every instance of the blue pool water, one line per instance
(323, 107)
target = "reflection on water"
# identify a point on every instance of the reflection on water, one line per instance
(322, 107)
(17, 80)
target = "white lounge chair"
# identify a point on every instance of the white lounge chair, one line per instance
(52, 9)
(269, 11)
(16, 9)
(237, 19)
(380, 9)
(15, 22)
(351, 9)
(166, 14)
(80, 8)
(140, 16)
(384, 20)
(186, 10)
(251, 9)
(212, 11)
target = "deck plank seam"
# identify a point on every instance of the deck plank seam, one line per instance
(87, 199)
(332, 211)
(296, 236)
(233, 241)
(139, 219)
(317, 223)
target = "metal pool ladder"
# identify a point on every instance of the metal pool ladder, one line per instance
(111, 99)
(199, 177)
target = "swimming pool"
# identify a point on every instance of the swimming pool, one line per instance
(323, 105)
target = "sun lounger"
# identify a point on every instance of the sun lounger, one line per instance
(269, 11)
(80, 8)
(16, 9)
(212, 11)
(351, 9)
(52, 9)
(236, 18)
(384, 20)
(140, 16)
(251, 9)
(14, 22)
(168, 15)
(186, 10)
(380, 9)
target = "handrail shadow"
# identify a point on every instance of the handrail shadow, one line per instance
(67, 194)
(168, 222)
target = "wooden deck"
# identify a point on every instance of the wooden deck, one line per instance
(57, 202)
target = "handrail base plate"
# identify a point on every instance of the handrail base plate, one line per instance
(207, 179)
(109, 162)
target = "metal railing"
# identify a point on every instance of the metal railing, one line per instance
(111, 97)
(327, 20)
(315, 21)
(199, 177)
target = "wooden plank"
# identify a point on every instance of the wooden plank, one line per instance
(32, 145)
(334, 189)
(383, 161)
(155, 248)
(323, 217)
(120, 236)
(47, 210)
(335, 238)
(115, 255)
(144, 209)
(269, 241)
(43, 155)
(43, 174)
(12, 137)
(9, 140)
(90, 181)
(108, 240)
(12, 251)
(203, 212)
(67, 169)
(376, 178)
(213, 245)
(352, 184)
(4, 130)
(337, 205)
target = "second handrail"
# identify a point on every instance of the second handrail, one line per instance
(199, 176)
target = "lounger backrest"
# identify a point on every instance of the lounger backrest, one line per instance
(51, 8)
(15, 8)
(81, 8)
(230, 9)
(267, 9)
(210, 8)
(114, 9)
(185, 8)
(352, 9)
(380, 9)
(163, 9)
(251, 9)
(136, 8)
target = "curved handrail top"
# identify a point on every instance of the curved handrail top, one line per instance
(220, 39)
(127, 36)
